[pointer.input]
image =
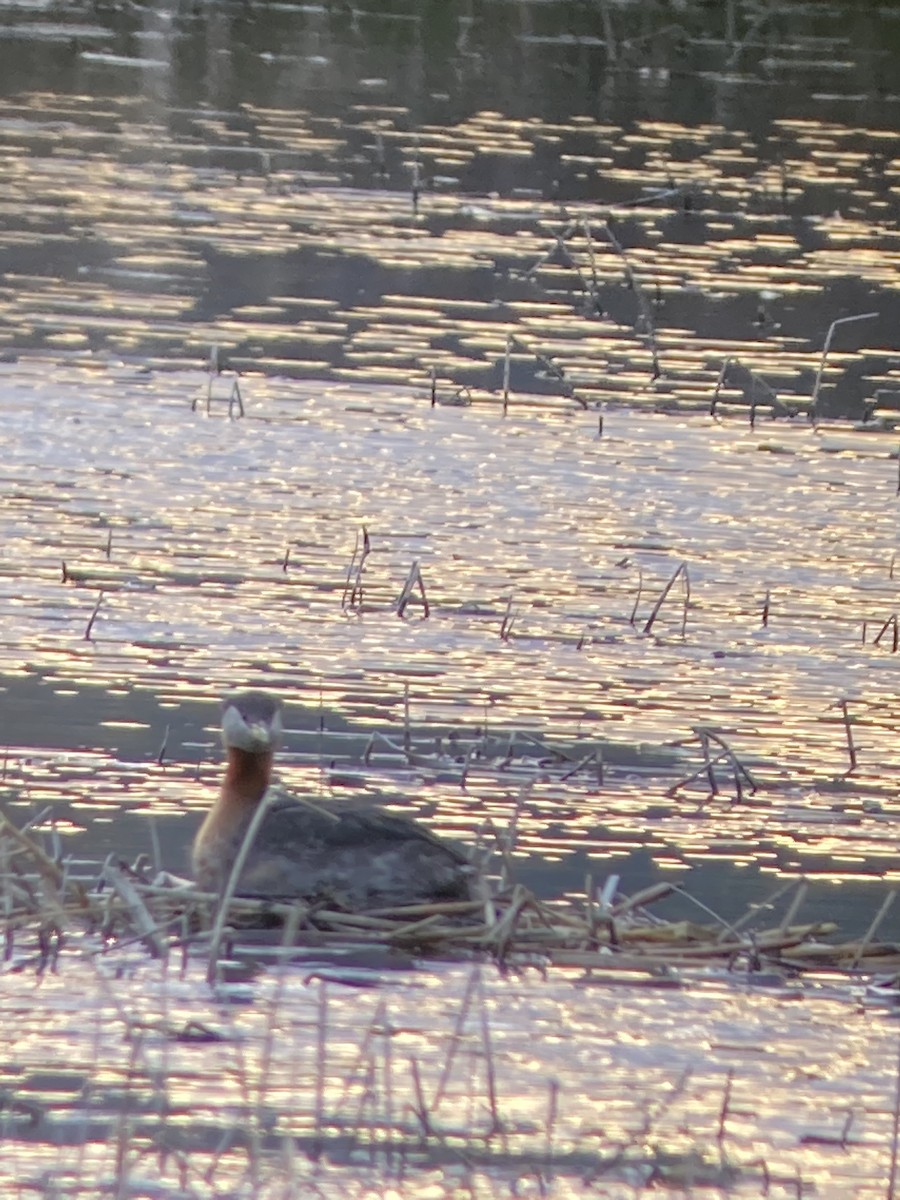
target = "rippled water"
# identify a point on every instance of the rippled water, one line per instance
(235, 571)
(620, 216)
(454, 1084)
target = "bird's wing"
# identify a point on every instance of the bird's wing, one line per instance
(293, 820)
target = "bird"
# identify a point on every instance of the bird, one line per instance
(353, 858)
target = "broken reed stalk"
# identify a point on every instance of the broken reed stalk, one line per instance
(756, 382)
(848, 729)
(890, 623)
(353, 595)
(814, 411)
(553, 369)
(707, 764)
(794, 907)
(592, 259)
(873, 927)
(637, 599)
(235, 400)
(93, 617)
(644, 305)
(737, 766)
(559, 240)
(232, 882)
(506, 367)
(895, 1131)
(724, 1111)
(413, 580)
(680, 573)
(488, 1051)
(147, 927)
(509, 619)
(321, 1063)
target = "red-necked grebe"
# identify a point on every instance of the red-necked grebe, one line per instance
(354, 857)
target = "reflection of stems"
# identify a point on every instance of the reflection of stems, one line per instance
(643, 302)
(827, 347)
(755, 381)
(609, 36)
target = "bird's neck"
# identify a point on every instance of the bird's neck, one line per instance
(246, 777)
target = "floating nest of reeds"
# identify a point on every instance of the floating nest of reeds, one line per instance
(43, 902)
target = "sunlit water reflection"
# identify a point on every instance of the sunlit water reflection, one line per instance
(245, 176)
(220, 550)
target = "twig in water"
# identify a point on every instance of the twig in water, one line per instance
(160, 758)
(93, 618)
(433, 386)
(286, 560)
(108, 545)
(828, 337)
(765, 610)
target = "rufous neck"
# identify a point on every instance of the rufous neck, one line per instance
(246, 776)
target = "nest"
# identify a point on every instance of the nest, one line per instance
(44, 901)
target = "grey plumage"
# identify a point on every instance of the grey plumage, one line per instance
(351, 857)
(354, 858)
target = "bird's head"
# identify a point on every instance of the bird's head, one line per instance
(251, 721)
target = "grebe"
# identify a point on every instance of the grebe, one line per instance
(353, 857)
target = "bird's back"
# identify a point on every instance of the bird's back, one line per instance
(354, 858)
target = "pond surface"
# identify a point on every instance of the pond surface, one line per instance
(532, 298)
